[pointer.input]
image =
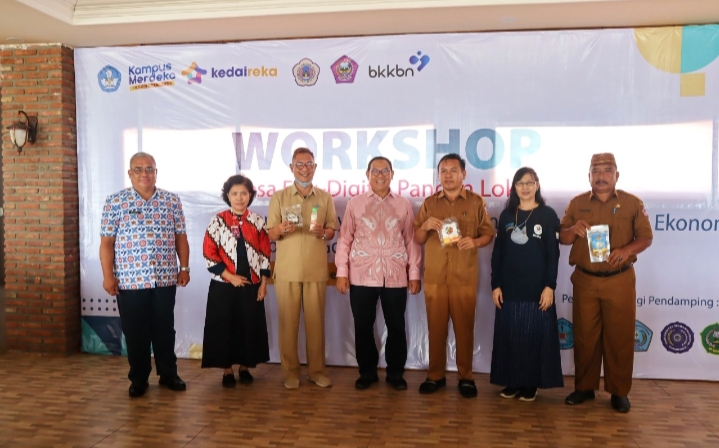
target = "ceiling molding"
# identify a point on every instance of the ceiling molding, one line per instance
(23, 24)
(102, 12)
(60, 9)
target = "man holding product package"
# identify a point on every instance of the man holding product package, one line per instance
(606, 228)
(302, 218)
(452, 223)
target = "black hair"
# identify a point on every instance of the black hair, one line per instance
(513, 201)
(462, 163)
(369, 165)
(238, 179)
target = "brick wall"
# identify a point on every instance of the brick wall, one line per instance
(40, 195)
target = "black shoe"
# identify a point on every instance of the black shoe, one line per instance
(397, 382)
(365, 381)
(138, 390)
(246, 377)
(508, 392)
(620, 404)
(228, 380)
(527, 394)
(579, 397)
(467, 388)
(431, 386)
(173, 383)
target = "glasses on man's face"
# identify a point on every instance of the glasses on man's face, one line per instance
(308, 165)
(383, 171)
(148, 169)
(525, 184)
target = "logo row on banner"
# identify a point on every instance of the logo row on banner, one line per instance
(306, 72)
(676, 337)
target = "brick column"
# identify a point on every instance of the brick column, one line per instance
(42, 255)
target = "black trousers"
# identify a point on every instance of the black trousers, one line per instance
(148, 319)
(363, 300)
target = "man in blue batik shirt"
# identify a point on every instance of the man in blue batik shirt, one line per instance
(142, 236)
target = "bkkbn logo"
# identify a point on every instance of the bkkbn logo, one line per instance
(423, 60)
(399, 72)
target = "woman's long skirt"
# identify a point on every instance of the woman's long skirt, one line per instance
(525, 351)
(235, 327)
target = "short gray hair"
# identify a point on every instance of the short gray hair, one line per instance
(141, 154)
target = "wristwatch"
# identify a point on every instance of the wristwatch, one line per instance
(185, 269)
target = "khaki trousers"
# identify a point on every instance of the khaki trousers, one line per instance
(459, 303)
(310, 298)
(604, 312)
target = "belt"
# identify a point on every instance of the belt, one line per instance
(606, 273)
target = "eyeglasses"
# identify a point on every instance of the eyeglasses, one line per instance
(308, 165)
(147, 169)
(383, 171)
(525, 184)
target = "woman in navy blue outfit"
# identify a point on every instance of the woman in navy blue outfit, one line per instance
(525, 353)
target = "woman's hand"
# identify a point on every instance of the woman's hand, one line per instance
(237, 280)
(546, 299)
(497, 297)
(262, 293)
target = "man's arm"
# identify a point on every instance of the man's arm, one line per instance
(183, 253)
(107, 260)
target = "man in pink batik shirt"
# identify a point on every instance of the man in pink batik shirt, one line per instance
(376, 245)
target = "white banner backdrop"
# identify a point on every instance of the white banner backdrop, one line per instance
(501, 100)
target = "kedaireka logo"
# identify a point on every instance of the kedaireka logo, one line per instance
(148, 76)
(244, 72)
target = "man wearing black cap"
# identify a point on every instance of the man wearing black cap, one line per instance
(604, 309)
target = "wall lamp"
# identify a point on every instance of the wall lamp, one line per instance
(23, 130)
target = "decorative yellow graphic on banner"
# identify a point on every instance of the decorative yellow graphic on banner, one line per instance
(682, 50)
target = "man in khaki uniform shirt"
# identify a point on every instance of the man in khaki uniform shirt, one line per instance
(301, 272)
(451, 273)
(604, 304)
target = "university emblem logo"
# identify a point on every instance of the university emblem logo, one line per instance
(677, 338)
(710, 338)
(344, 69)
(642, 337)
(566, 334)
(109, 79)
(306, 73)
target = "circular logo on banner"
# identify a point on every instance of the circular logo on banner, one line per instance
(710, 338)
(306, 73)
(677, 338)
(566, 334)
(642, 337)
(109, 79)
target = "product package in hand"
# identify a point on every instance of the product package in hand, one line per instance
(450, 233)
(313, 217)
(598, 240)
(292, 214)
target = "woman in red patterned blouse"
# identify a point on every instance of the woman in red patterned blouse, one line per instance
(237, 252)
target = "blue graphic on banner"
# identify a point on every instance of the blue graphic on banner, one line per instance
(103, 335)
(642, 337)
(566, 334)
(677, 338)
(109, 79)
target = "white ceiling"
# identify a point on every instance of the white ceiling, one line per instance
(90, 23)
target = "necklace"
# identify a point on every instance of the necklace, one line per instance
(519, 234)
